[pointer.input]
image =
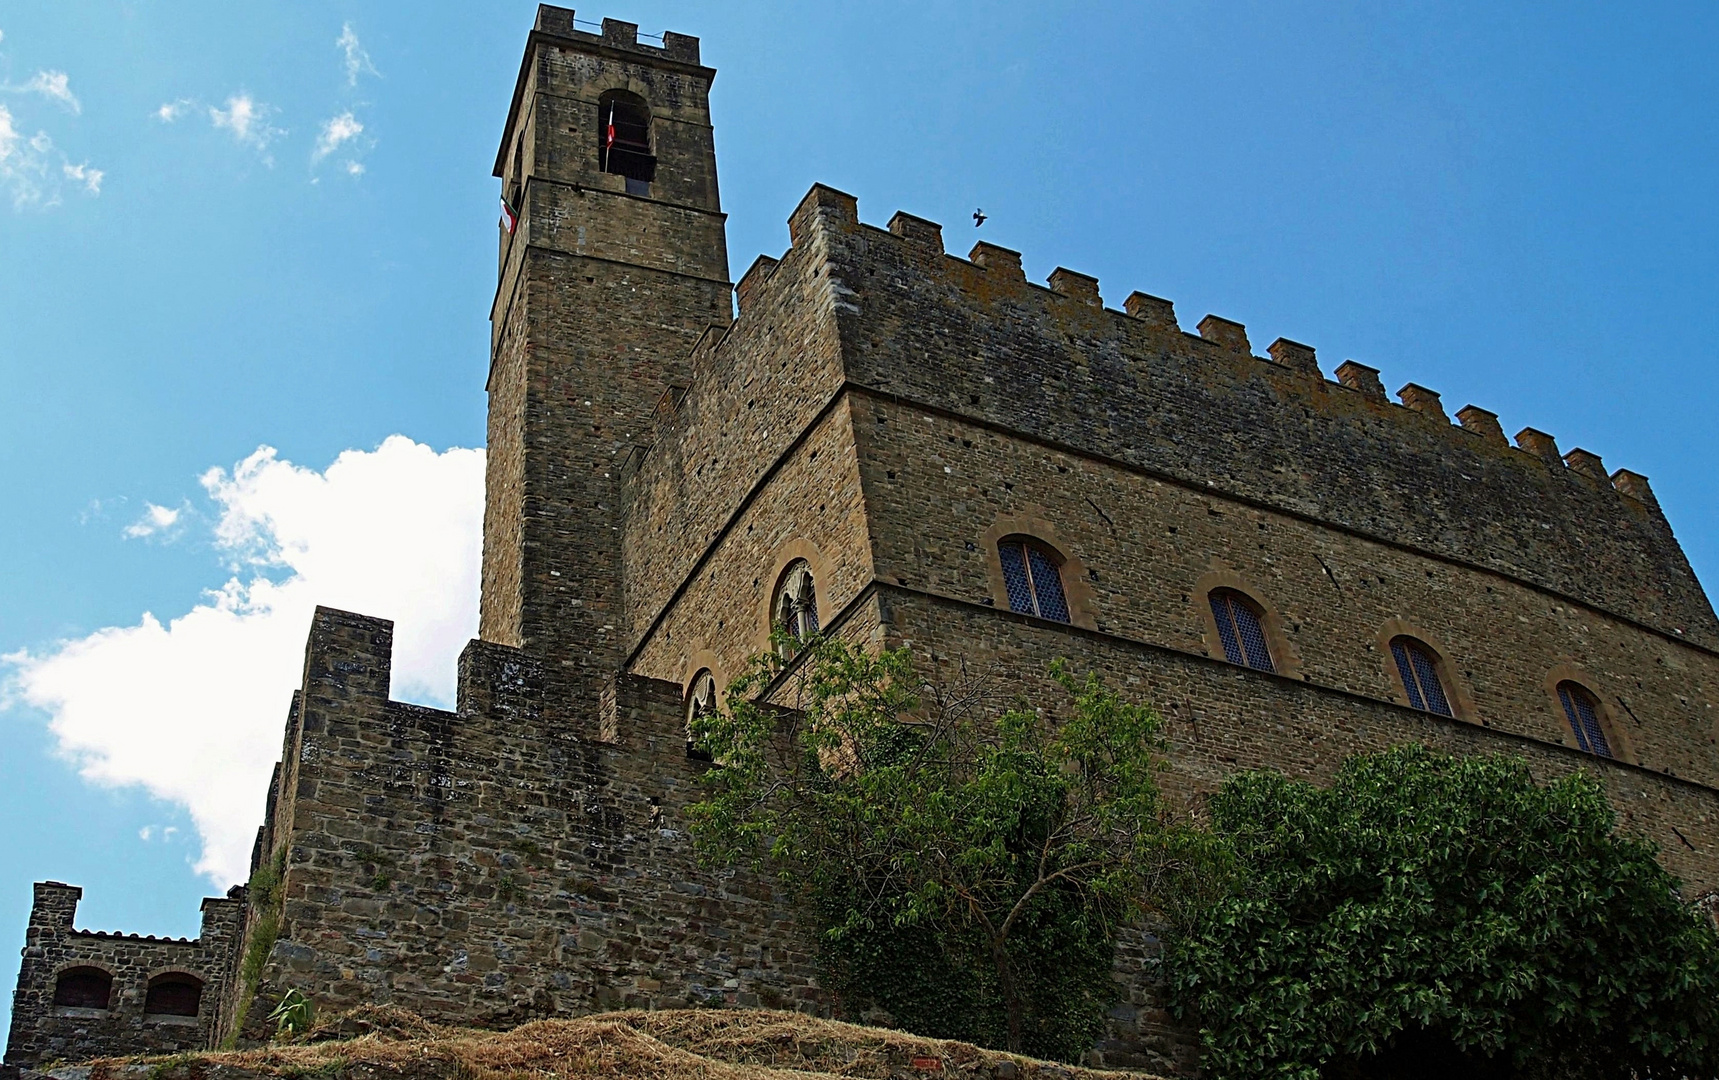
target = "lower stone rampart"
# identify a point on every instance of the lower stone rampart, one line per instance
(491, 865)
(82, 994)
(488, 866)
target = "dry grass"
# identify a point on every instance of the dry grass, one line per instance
(680, 1044)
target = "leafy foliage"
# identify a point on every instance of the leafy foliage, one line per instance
(267, 897)
(1426, 904)
(294, 1014)
(966, 864)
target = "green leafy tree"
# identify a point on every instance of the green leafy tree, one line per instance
(1427, 914)
(966, 864)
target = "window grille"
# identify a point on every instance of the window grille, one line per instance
(173, 995)
(83, 988)
(1241, 629)
(700, 702)
(1033, 581)
(1582, 709)
(1419, 669)
(797, 602)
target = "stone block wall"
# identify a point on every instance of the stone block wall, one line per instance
(940, 489)
(974, 338)
(811, 507)
(604, 291)
(1222, 718)
(493, 864)
(43, 1031)
(1083, 427)
(756, 389)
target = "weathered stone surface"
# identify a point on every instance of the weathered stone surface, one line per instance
(45, 1032)
(885, 413)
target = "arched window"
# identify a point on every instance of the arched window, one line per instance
(796, 605)
(83, 988)
(624, 143)
(1582, 710)
(173, 994)
(1241, 629)
(700, 702)
(1032, 576)
(1418, 666)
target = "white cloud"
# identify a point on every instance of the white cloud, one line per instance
(338, 130)
(193, 710)
(83, 174)
(357, 60)
(173, 110)
(247, 120)
(22, 169)
(27, 168)
(355, 168)
(155, 519)
(143, 833)
(55, 86)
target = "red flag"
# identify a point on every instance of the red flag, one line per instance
(609, 139)
(508, 217)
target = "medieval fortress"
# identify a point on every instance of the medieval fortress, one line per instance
(906, 447)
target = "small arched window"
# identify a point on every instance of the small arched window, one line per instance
(700, 702)
(83, 988)
(1582, 710)
(1032, 575)
(1241, 629)
(796, 605)
(1418, 666)
(173, 994)
(624, 143)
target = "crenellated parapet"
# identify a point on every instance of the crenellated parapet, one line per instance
(975, 337)
(494, 863)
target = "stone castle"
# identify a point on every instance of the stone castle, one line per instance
(887, 442)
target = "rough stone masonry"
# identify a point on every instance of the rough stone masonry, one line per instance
(861, 442)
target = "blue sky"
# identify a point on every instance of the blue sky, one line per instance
(291, 245)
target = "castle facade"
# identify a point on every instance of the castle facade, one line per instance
(872, 437)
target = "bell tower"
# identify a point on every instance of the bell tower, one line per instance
(615, 263)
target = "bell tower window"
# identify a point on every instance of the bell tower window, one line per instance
(624, 145)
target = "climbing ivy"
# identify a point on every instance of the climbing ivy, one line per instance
(967, 861)
(1427, 912)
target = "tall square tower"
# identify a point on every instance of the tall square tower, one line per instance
(616, 264)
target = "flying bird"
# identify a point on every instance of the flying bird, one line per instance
(978, 218)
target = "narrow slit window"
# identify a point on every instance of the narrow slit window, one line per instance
(1033, 579)
(1582, 710)
(1419, 669)
(1241, 630)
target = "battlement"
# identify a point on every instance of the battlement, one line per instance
(829, 208)
(615, 34)
(1052, 362)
